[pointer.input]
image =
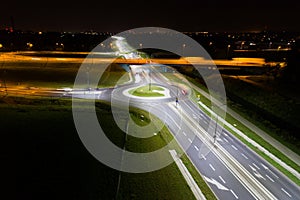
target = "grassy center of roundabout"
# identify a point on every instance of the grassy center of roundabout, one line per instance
(148, 91)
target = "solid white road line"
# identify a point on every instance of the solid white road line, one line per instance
(212, 167)
(269, 178)
(245, 156)
(286, 192)
(234, 194)
(222, 179)
(234, 147)
(196, 147)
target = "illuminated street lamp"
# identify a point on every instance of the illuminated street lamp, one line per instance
(228, 47)
(183, 47)
(215, 133)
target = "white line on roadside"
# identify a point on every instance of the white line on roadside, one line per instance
(212, 167)
(196, 147)
(245, 156)
(190, 140)
(286, 192)
(234, 194)
(269, 178)
(222, 179)
(234, 147)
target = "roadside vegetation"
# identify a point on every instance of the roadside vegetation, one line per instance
(147, 91)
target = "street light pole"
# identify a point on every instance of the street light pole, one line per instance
(215, 135)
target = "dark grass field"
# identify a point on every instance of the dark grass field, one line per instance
(43, 157)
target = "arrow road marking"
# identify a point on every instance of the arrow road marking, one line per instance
(216, 183)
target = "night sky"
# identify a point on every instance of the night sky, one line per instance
(181, 15)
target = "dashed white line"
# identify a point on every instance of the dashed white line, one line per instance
(234, 194)
(273, 173)
(286, 192)
(184, 133)
(222, 179)
(255, 165)
(190, 140)
(225, 139)
(252, 168)
(196, 147)
(225, 134)
(203, 156)
(205, 121)
(245, 156)
(212, 167)
(234, 147)
(269, 178)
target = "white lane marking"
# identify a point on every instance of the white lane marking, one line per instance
(196, 147)
(245, 156)
(222, 179)
(259, 175)
(225, 134)
(184, 133)
(212, 167)
(286, 192)
(264, 166)
(269, 178)
(216, 183)
(201, 114)
(267, 168)
(190, 140)
(273, 173)
(255, 165)
(234, 194)
(225, 139)
(252, 168)
(205, 121)
(194, 116)
(234, 147)
(203, 156)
